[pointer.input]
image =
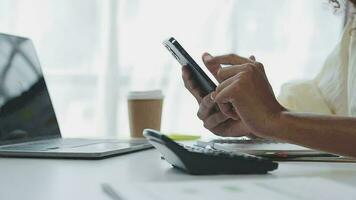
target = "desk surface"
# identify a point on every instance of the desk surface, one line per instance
(80, 179)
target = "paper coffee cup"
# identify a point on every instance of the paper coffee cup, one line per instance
(145, 110)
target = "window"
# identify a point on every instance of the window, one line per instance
(93, 52)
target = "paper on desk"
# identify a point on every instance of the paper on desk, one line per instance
(261, 147)
(288, 188)
(252, 146)
(273, 150)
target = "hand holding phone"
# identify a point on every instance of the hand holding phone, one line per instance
(178, 52)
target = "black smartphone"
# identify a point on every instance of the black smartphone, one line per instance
(204, 82)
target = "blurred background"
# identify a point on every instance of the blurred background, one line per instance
(93, 51)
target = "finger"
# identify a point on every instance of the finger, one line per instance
(207, 106)
(227, 72)
(213, 67)
(252, 57)
(224, 84)
(260, 67)
(230, 59)
(227, 93)
(191, 85)
(214, 120)
(224, 129)
(228, 110)
(253, 137)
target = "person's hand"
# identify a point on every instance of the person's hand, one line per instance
(219, 118)
(245, 86)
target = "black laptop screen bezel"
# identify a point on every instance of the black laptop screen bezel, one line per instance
(55, 129)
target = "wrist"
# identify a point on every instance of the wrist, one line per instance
(276, 124)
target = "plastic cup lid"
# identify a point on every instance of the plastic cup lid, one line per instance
(148, 94)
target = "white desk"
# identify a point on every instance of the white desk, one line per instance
(80, 179)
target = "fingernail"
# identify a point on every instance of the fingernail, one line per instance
(212, 96)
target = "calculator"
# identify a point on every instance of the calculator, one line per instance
(202, 161)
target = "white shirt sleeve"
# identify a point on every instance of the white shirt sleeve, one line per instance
(303, 96)
(327, 93)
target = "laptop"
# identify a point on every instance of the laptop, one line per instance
(28, 123)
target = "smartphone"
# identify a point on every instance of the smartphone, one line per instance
(204, 82)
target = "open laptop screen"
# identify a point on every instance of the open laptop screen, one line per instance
(26, 111)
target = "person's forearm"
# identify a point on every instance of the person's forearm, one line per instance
(333, 134)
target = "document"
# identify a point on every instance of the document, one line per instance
(276, 189)
(272, 149)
